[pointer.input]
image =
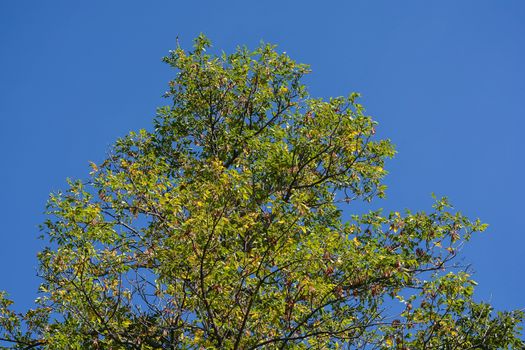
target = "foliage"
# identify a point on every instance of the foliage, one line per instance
(223, 229)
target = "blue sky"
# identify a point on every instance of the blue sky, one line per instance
(445, 79)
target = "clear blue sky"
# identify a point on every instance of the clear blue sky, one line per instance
(445, 79)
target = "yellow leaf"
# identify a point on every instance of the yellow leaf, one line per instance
(93, 166)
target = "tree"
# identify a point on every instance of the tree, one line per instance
(223, 229)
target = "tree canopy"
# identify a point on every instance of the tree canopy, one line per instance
(223, 228)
